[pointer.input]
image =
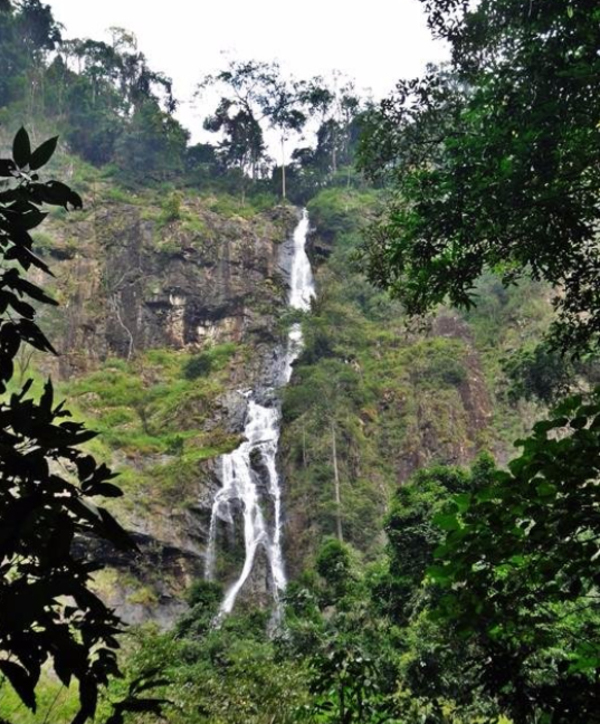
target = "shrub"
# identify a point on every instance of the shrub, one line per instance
(171, 208)
(198, 366)
(212, 359)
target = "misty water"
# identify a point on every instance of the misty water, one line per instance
(242, 487)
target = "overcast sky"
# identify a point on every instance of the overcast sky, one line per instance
(374, 41)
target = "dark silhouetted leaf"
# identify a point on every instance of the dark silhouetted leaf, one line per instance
(43, 154)
(7, 167)
(21, 682)
(21, 148)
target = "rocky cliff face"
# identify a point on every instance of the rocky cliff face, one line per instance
(131, 282)
(450, 434)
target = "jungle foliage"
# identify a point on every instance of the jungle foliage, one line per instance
(494, 161)
(117, 113)
(480, 602)
(49, 613)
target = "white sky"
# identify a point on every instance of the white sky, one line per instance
(374, 41)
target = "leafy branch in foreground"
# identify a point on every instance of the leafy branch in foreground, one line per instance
(47, 484)
(519, 570)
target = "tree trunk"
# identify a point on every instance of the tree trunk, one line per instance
(334, 155)
(283, 189)
(304, 447)
(336, 482)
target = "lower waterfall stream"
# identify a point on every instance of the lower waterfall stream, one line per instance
(240, 483)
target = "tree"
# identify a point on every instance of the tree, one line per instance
(282, 105)
(322, 400)
(540, 372)
(47, 484)
(495, 161)
(239, 113)
(518, 569)
(345, 683)
(412, 535)
(334, 627)
(243, 146)
(494, 164)
(28, 31)
(116, 106)
(95, 91)
(333, 564)
(437, 670)
(336, 104)
(38, 34)
(253, 94)
(153, 144)
(37, 27)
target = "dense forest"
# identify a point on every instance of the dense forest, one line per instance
(439, 430)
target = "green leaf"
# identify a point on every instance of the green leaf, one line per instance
(22, 148)
(447, 521)
(440, 574)
(517, 560)
(43, 154)
(21, 682)
(463, 501)
(546, 489)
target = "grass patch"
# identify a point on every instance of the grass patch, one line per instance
(230, 207)
(140, 407)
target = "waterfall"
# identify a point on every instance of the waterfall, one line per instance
(240, 483)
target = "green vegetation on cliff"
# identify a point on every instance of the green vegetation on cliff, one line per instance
(385, 398)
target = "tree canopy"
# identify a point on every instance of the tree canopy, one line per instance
(494, 161)
(101, 96)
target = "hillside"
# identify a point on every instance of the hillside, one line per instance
(174, 300)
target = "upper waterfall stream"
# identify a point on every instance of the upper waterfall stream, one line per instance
(241, 484)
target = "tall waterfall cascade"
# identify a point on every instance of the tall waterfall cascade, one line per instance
(259, 497)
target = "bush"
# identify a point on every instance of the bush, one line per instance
(212, 359)
(204, 598)
(206, 594)
(198, 366)
(333, 565)
(445, 371)
(171, 208)
(339, 211)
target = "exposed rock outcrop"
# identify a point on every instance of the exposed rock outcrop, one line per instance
(133, 283)
(130, 282)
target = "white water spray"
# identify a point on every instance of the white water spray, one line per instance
(262, 432)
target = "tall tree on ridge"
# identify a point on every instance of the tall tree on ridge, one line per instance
(253, 94)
